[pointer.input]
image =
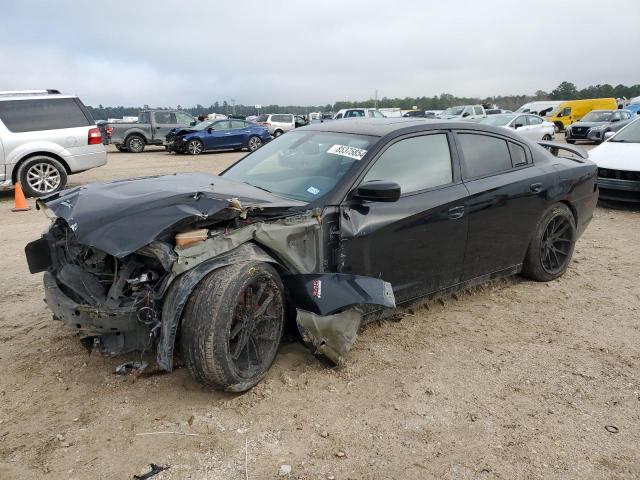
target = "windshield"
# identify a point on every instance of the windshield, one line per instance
(630, 133)
(497, 120)
(302, 165)
(453, 111)
(601, 116)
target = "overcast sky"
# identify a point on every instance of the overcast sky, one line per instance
(159, 52)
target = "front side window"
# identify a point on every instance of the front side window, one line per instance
(354, 113)
(483, 155)
(415, 163)
(183, 118)
(237, 124)
(376, 114)
(478, 110)
(521, 121)
(565, 112)
(42, 114)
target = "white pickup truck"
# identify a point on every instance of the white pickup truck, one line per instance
(464, 112)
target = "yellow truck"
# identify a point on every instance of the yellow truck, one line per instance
(573, 110)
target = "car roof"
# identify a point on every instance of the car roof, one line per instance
(33, 96)
(379, 127)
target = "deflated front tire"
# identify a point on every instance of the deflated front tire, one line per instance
(232, 326)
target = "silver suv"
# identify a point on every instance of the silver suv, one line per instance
(44, 137)
(277, 123)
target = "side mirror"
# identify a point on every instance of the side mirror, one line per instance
(466, 114)
(209, 130)
(608, 135)
(518, 125)
(378, 191)
(193, 124)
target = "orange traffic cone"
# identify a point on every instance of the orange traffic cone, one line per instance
(20, 201)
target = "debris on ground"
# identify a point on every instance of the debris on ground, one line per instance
(135, 368)
(155, 469)
(285, 470)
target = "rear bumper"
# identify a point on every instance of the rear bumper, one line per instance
(86, 161)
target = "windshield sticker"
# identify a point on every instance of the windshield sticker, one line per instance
(313, 190)
(345, 151)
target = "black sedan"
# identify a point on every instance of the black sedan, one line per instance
(327, 227)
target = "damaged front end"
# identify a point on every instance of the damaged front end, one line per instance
(122, 259)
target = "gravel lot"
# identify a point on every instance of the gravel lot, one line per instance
(513, 380)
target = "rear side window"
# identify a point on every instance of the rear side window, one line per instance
(534, 120)
(518, 156)
(42, 114)
(281, 118)
(165, 118)
(416, 163)
(483, 155)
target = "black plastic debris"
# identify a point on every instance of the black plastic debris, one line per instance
(611, 428)
(155, 469)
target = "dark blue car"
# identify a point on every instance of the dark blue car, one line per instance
(217, 135)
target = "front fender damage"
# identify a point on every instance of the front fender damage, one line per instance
(327, 309)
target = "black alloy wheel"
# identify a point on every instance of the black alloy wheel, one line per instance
(556, 245)
(255, 327)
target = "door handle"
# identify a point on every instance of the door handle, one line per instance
(456, 212)
(157, 128)
(536, 187)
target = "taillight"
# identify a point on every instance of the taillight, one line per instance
(109, 131)
(95, 138)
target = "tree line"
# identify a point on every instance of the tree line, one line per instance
(564, 91)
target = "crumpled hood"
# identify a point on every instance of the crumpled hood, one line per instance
(122, 216)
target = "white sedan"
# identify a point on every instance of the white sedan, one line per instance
(618, 160)
(532, 127)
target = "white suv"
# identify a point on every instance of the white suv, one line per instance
(45, 136)
(358, 113)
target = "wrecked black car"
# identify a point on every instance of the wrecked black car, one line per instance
(326, 227)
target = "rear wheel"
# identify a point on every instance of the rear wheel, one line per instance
(277, 133)
(232, 326)
(135, 144)
(41, 175)
(254, 143)
(551, 248)
(195, 147)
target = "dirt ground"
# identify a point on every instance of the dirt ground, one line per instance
(513, 380)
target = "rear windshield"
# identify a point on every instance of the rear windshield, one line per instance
(43, 114)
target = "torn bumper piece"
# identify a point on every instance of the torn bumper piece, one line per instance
(326, 309)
